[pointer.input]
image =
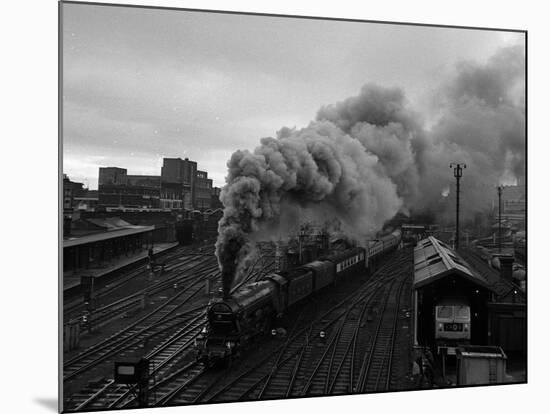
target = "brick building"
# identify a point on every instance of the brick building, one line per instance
(71, 190)
(215, 200)
(178, 183)
(117, 189)
(203, 191)
(180, 186)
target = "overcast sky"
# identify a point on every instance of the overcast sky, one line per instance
(143, 84)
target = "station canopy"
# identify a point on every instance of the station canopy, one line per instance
(105, 229)
(434, 260)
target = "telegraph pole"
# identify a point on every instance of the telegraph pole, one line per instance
(499, 189)
(458, 167)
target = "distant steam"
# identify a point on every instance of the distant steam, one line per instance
(366, 158)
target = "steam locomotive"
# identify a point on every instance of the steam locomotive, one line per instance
(236, 322)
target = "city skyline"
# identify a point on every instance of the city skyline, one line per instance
(95, 179)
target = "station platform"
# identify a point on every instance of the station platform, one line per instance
(71, 279)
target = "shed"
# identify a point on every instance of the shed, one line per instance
(98, 248)
(440, 273)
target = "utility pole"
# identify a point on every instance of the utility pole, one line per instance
(499, 189)
(458, 167)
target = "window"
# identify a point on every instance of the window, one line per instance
(462, 311)
(444, 311)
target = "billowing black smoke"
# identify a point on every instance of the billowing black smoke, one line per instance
(366, 158)
(380, 120)
(318, 169)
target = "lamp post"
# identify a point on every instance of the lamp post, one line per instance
(499, 189)
(458, 167)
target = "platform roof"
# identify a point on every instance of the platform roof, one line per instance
(434, 260)
(113, 234)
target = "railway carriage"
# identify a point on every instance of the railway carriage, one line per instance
(323, 273)
(300, 284)
(384, 244)
(236, 321)
(348, 262)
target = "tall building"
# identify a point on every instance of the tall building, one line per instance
(176, 170)
(112, 176)
(216, 202)
(117, 189)
(203, 191)
(179, 186)
(178, 183)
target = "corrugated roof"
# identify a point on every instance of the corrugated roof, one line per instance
(112, 223)
(434, 260)
(503, 289)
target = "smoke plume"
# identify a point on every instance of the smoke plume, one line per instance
(319, 169)
(369, 156)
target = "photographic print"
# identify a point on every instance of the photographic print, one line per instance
(260, 207)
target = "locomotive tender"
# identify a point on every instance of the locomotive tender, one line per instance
(236, 322)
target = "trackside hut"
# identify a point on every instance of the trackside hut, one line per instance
(440, 274)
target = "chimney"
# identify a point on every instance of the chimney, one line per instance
(227, 279)
(506, 264)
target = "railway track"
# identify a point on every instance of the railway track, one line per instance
(358, 328)
(341, 367)
(376, 370)
(162, 359)
(303, 364)
(174, 260)
(181, 274)
(137, 331)
(165, 356)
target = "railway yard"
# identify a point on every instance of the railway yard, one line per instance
(352, 337)
(357, 335)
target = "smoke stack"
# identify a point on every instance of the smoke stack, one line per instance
(506, 264)
(227, 278)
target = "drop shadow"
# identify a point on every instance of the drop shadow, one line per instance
(49, 403)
